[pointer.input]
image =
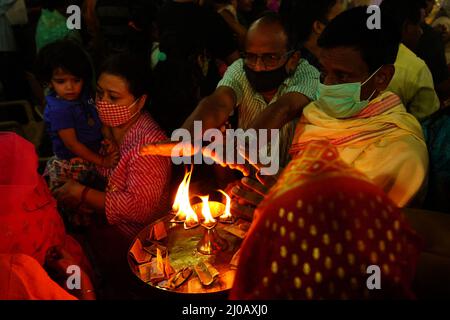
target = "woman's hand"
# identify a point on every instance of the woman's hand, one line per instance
(111, 160)
(109, 146)
(58, 260)
(69, 193)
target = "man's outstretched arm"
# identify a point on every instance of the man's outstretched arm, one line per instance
(284, 110)
(213, 110)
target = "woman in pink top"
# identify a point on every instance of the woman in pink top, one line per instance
(137, 188)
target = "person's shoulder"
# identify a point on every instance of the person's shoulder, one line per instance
(237, 66)
(149, 130)
(409, 60)
(235, 71)
(305, 68)
(58, 105)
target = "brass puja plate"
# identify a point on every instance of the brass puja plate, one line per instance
(181, 245)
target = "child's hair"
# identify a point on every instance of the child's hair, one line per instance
(67, 55)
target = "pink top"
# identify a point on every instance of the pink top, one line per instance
(138, 187)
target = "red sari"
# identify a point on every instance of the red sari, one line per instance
(319, 229)
(23, 278)
(29, 221)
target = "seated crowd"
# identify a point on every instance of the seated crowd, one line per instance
(364, 137)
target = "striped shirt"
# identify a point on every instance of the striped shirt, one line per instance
(250, 103)
(138, 187)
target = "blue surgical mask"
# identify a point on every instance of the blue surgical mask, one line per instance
(342, 101)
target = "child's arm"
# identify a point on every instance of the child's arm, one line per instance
(69, 138)
(108, 140)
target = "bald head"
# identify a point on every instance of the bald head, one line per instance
(267, 34)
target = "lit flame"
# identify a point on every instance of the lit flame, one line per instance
(185, 212)
(182, 192)
(206, 212)
(227, 214)
(182, 206)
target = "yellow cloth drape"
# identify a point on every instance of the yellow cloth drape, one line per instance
(388, 147)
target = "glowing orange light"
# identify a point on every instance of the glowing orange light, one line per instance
(209, 221)
(226, 216)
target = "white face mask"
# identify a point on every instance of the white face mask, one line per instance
(342, 101)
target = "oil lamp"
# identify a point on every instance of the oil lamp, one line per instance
(202, 214)
(211, 242)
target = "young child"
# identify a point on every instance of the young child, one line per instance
(70, 114)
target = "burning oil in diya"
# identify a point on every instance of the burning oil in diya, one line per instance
(211, 242)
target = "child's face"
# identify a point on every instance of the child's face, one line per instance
(66, 85)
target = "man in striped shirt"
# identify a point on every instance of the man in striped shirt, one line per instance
(270, 74)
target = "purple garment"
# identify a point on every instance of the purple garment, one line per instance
(80, 115)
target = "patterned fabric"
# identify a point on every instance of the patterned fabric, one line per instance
(383, 141)
(113, 115)
(318, 161)
(23, 278)
(250, 103)
(59, 171)
(413, 83)
(138, 187)
(316, 238)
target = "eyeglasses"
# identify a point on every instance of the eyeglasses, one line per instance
(269, 60)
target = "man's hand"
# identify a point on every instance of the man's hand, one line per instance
(169, 148)
(249, 193)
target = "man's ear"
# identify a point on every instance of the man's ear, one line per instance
(293, 62)
(384, 77)
(318, 27)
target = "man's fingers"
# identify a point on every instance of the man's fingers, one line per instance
(207, 152)
(245, 170)
(254, 185)
(242, 211)
(250, 197)
(267, 181)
